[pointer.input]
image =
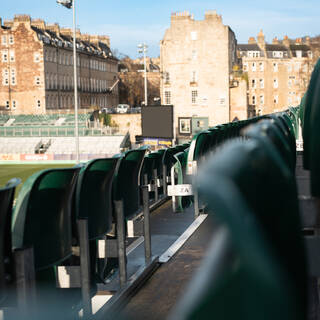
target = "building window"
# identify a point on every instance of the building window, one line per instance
(275, 83)
(289, 83)
(261, 99)
(194, 76)
(5, 56)
(297, 66)
(277, 54)
(4, 40)
(36, 57)
(13, 77)
(166, 77)
(275, 67)
(289, 100)
(194, 35)
(11, 39)
(194, 96)
(37, 81)
(167, 97)
(261, 66)
(254, 66)
(7, 104)
(14, 104)
(184, 125)
(12, 58)
(5, 77)
(38, 104)
(299, 54)
(261, 81)
(253, 99)
(253, 83)
(245, 66)
(275, 99)
(194, 54)
(254, 54)
(289, 67)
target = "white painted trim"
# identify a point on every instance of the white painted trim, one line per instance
(166, 256)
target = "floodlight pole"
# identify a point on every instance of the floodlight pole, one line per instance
(75, 83)
(145, 75)
(143, 49)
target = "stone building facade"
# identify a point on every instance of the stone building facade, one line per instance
(278, 73)
(196, 60)
(36, 66)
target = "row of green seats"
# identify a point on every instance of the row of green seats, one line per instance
(49, 207)
(256, 266)
(310, 119)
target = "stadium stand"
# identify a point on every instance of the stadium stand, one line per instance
(256, 267)
(54, 134)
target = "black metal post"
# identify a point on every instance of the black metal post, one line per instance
(121, 242)
(146, 224)
(85, 266)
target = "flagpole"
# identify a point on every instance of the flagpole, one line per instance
(75, 83)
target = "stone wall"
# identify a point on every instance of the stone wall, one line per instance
(196, 61)
(23, 95)
(128, 122)
(238, 101)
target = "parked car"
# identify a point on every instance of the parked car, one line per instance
(122, 108)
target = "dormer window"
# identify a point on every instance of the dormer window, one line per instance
(299, 54)
(254, 54)
(277, 54)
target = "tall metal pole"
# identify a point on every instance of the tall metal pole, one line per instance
(145, 75)
(75, 84)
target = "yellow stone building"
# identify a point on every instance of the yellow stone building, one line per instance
(196, 61)
(36, 66)
(278, 73)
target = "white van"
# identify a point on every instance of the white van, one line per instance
(122, 108)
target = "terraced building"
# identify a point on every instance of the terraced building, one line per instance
(278, 73)
(36, 66)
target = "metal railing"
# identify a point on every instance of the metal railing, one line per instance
(50, 131)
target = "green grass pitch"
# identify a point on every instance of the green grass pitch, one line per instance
(23, 171)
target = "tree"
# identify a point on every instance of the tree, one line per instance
(131, 86)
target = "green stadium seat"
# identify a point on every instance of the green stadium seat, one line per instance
(268, 187)
(93, 197)
(313, 151)
(127, 181)
(307, 118)
(240, 278)
(180, 167)
(272, 129)
(42, 219)
(200, 145)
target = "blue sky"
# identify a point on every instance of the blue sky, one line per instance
(129, 22)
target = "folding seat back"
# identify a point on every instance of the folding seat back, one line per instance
(6, 258)
(286, 130)
(271, 128)
(268, 187)
(94, 195)
(200, 145)
(307, 118)
(42, 216)
(314, 141)
(240, 278)
(127, 181)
